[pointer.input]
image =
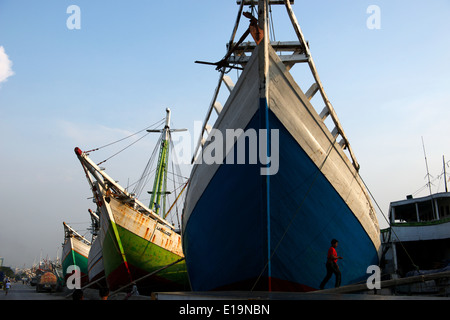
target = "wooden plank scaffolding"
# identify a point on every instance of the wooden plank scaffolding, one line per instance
(300, 54)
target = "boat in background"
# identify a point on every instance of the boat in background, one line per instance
(261, 215)
(417, 242)
(138, 245)
(96, 270)
(75, 252)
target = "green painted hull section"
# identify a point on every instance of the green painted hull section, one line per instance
(74, 258)
(142, 257)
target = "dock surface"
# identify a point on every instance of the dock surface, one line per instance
(21, 291)
(255, 296)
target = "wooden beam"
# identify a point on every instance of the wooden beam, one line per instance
(201, 140)
(288, 59)
(388, 283)
(335, 132)
(228, 82)
(218, 107)
(325, 113)
(249, 46)
(255, 2)
(312, 91)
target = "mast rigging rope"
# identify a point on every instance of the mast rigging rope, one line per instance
(111, 143)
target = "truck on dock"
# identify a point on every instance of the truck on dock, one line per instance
(47, 282)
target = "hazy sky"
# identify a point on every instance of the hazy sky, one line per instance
(129, 60)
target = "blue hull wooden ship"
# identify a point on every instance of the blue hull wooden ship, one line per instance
(261, 210)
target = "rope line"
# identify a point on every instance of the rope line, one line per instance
(391, 230)
(111, 143)
(115, 154)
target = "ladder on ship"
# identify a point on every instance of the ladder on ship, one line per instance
(236, 57)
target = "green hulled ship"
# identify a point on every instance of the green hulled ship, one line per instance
(75, 253)
(138, 245)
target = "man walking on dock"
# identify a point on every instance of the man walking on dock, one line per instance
(7, 287)
(332, 266)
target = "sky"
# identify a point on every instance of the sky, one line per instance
(90, 77)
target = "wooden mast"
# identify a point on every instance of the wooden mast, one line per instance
(263, 51)
(159, 185)
(263, 65)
